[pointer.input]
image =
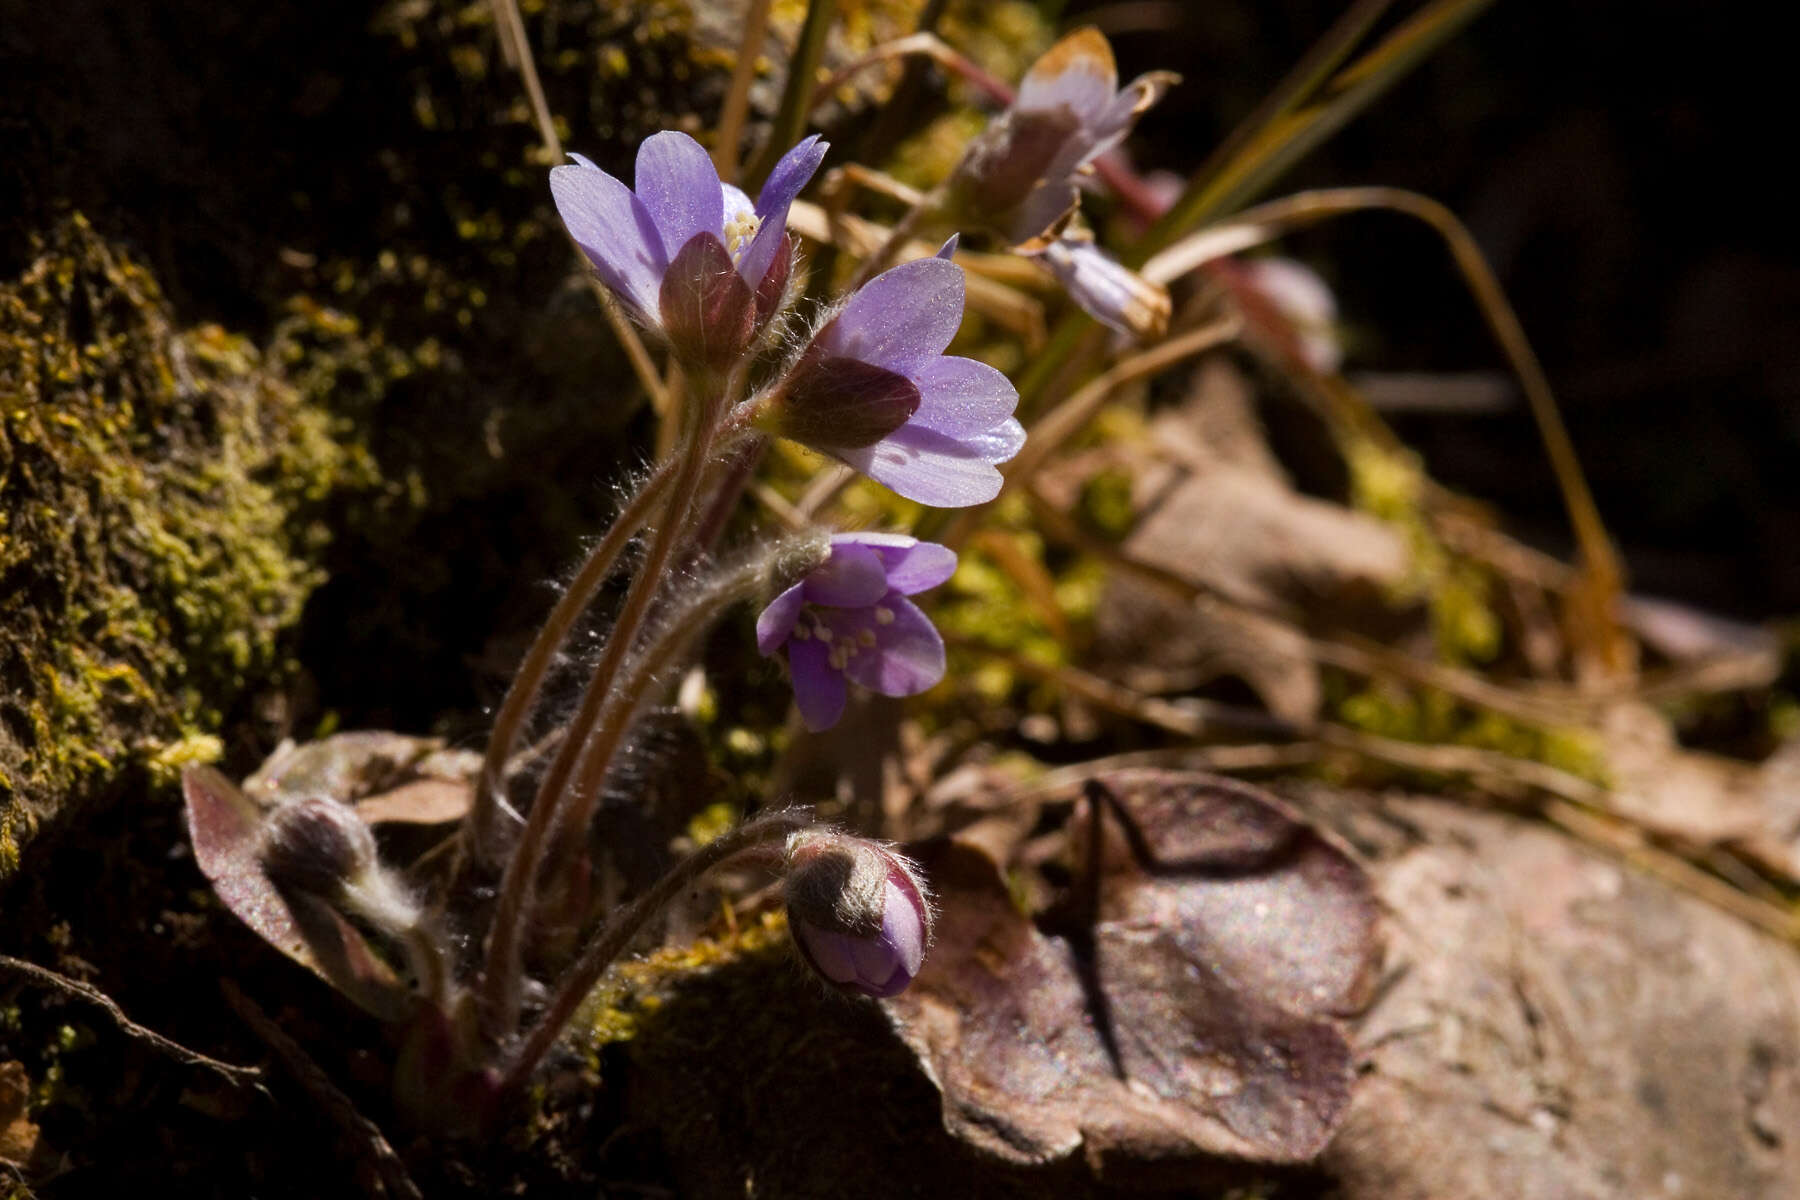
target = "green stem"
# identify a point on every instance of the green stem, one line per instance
(796, 98)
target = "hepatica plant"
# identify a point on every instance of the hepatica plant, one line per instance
(711, 275)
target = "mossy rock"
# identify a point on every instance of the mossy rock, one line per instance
(158, 497)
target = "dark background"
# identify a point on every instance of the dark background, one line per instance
(1618, 164)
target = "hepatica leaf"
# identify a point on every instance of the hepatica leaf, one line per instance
(227, 828)
(1183, 1000)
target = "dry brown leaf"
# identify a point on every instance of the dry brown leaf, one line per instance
(1701, 798)
(1217, 514)
(421, 802)
(387, 776)
(1182, 1006)
(18, 1135)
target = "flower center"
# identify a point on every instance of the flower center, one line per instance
(845, 644)
(740, 228)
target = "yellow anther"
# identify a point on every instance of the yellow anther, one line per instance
(739, 230)
(884, 615)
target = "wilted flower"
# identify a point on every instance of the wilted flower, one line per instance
(849, 619)
(857, 911)
(685, 253)
(1019, 176)
(1305, 301)
(1106, 289)
(876, 391)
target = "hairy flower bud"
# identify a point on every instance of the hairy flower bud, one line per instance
(320, 848)
(857, 911)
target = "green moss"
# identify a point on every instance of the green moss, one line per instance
(1390, 484)
(158, 487)
(634, 990)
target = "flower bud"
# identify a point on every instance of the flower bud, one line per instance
(314, 845)
(1108, 290)
(857, 911)
(320, 848)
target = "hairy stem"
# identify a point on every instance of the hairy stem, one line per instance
(503, 967)
(480, 826)
(671, 639)
(627, 924)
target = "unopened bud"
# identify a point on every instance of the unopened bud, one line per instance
(314, 845)
(321, 848)
(857, 911)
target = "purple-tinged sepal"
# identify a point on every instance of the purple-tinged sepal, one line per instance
(707, 310)
(857, 910)
(843, 402)
(942, 450)
(685, 254)
(1020, 177)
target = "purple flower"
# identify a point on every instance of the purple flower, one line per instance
(857, 911)
(1108, 290)
(684, 253)
(876, 391)
(1019, 176)
(849, 619)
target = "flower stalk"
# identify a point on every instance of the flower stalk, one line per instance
(504, 963)
(482, 826)
(628, 923)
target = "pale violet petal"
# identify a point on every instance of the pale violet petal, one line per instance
(790, 176)
(680, 186)
(819, 689)
(834, 954)
(785, 182)
(960, 396)
(908, 655)
(901, 318)
(910, 565)
(999, 444)
(880, 542)
(902, 929)
(736, 203)
(876, 964)
(776, 622)
(930, 468)
(1108, 290)
(615, 231)
(915, 568)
